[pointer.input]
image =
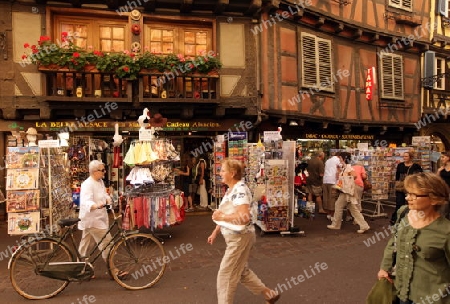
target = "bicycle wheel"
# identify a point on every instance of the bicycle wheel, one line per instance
(137, 261)
(23, 272)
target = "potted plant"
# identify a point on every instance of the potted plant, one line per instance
(56, 55)
(150, 61)
(123, 64)
(206, 63)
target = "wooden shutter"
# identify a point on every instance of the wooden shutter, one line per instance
(324, 63)
(428, 70)
(404, 4)
(309, 62)
(316, 62)
(391, 76)
(442, 7)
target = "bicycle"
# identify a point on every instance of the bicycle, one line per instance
(43, 266)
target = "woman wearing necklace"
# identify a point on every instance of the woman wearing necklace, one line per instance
(421, 243)
(234, 220)
(407, 167)
(444, 170)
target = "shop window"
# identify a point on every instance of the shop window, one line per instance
(439, 69)
(403, 4)
(391, 76)
(316, 62)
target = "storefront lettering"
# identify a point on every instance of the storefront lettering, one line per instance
(339, 136)
(177, 124)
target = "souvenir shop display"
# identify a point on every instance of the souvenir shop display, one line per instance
(22, 190)
(38, 188)
(218, 155)
(422, 147)
(276, 202)
(237, 146)
(152, 202)
(255, 167)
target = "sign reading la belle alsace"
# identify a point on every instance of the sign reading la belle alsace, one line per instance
(71, 126)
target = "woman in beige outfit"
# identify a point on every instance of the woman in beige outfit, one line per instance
(234, 220)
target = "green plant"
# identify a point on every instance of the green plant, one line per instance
(62, 53)
(205, 63)
(151, 61)
(123, 64)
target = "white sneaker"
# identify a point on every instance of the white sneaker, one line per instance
(361, 231)
(329, 217)
(333, 227)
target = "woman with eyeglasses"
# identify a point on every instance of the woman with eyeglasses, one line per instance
(444, 170)
(421, 242)
(405, 168)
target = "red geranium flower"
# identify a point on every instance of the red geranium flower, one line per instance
(24, 56)
(76, 54)
(126, 69)
(26, 45)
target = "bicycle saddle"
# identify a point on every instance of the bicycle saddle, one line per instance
(68, 222)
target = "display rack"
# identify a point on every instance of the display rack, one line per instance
(276, 204)
(218, 188)
(422, 146)
(152, 200)
(38, 191)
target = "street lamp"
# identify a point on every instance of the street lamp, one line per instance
(429, 80)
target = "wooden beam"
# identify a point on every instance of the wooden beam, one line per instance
(374, 38)
(255, 5)
(221, 6)
(150, 5)
(112, 4)
(339, 28)
(186, 6)
(357, 34)
(320, 22)
(76, 3)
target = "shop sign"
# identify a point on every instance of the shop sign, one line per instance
(339, 136)
(76, 125)
(369, 83)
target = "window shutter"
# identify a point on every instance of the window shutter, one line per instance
(309, 68)
(429, 61)
(407, 4)
(398, 76)
(391, 76)
(324, 63)
(443, 7)
(386, 77)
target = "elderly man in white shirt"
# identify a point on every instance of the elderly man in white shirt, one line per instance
(93, 216)
(329, 180)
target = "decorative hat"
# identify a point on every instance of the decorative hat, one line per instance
(135, 15)
(158, 120)
(32, 131)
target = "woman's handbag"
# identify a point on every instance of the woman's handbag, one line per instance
(400, 184)
(367, 184)
(383, 292)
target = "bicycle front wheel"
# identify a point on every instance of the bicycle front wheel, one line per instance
(137, 261)
(24, 265)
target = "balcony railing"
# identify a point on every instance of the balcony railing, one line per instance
(66, 85)
(154, 86)
(165, 87)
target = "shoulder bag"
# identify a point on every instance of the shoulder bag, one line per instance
(400, 184)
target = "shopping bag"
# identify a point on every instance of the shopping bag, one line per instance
(347, 184)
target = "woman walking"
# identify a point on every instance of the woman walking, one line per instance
(235, 218)
(407, 167)
(350, 200)
(444, 170)
(421, 243)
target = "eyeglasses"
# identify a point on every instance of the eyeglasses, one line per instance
(102, 170)
(414, 196)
